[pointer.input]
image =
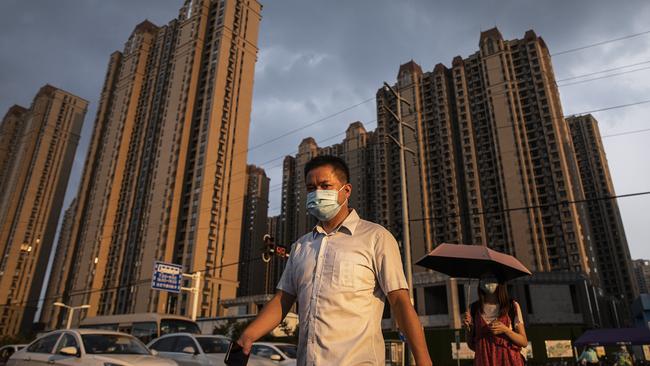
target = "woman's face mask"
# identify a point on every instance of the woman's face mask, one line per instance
(489, 285)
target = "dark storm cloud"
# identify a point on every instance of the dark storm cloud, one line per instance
(319, 57)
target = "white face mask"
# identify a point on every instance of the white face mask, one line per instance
(489, 286)
(324, 204)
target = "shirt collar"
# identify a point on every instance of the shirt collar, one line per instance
(347, 226)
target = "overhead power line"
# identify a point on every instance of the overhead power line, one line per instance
(540, 206)
(298, 129)
(600, 43)
(603, 71)
(604, 77)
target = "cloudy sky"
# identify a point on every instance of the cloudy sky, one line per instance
(318, 58)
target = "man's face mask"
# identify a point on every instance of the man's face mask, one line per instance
(324, 204)
(489, 285)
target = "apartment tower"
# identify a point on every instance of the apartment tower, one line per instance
(495, 155)
(612, 253)
(165, 174)
(37, 148)
(53, 317)
(642, 274)
(253, 273)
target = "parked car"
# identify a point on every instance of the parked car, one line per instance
(88, 347)
(199, 350)
(283, 354)
(190, 349)
(8, 350)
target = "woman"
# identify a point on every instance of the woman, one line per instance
(494, 325)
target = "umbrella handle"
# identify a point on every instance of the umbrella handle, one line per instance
(467, 288)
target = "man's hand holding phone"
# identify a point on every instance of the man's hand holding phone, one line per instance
(235, 355)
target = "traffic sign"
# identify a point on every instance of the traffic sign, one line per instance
(167, 277)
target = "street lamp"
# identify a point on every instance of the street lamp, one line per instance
(71, 310)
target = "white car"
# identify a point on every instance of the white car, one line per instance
(282, 354)
(199, 350)
(8, 350)
(87, 347)
(191, 349)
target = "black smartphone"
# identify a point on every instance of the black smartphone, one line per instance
(235, 355)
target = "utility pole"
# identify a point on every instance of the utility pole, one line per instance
(406, 234)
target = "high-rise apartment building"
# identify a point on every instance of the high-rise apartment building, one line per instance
(165, 171)
(642, 274)
(495, 155)
(52, 316)
(612, 259)
(37, 147)
(253, 273)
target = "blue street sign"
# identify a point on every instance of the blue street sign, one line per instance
(167, 277)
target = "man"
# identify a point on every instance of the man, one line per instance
(340, 273)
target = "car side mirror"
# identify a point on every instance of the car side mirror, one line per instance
(276, 357)
(154, 352)
(190, 350)
(69, 351)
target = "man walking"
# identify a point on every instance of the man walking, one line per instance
(340, 274)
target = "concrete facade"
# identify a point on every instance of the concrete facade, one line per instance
(165, 171)
(38, 148)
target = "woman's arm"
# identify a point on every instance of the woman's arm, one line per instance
(468, 325)
(518, 335)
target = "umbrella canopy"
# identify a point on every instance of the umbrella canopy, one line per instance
(473, 261)
(613, 337)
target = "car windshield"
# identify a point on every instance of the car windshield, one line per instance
(213, 344)
(288, 349)
(168, 326)
(98, 344)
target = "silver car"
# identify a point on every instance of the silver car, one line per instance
(199, 350)
(281, 354)
(8, 350)
(87, 347)
(191, 350)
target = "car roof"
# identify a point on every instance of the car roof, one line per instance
(177, 334)
(210, 336)
(193, 335)
(274, 344)
(84, 331)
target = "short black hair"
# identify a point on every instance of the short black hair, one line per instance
(338, 165)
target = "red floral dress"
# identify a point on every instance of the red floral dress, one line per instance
(494, 350)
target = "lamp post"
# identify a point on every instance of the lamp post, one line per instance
(71, 310)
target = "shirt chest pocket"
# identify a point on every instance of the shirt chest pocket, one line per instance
(351, 273)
